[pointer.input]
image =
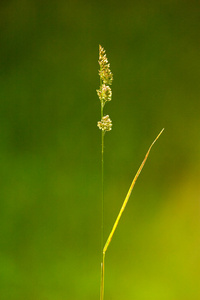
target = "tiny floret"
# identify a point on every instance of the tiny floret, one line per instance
(105, 124)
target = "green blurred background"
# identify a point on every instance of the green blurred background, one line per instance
(50, 187)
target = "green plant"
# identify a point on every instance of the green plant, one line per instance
(105, 94)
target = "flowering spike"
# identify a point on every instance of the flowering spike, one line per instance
(104, 92)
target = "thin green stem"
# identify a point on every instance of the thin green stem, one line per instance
(102, 183)
(102, 205)
(102, 218)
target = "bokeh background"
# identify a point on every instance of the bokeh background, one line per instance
(50, 157)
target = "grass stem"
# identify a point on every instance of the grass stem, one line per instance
(102, 185)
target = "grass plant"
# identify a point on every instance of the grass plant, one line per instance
(105, 94)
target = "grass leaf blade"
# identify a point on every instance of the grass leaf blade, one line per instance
(128, 195)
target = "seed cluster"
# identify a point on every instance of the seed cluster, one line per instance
(104, 92)
(105, 124)
(104, 72)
